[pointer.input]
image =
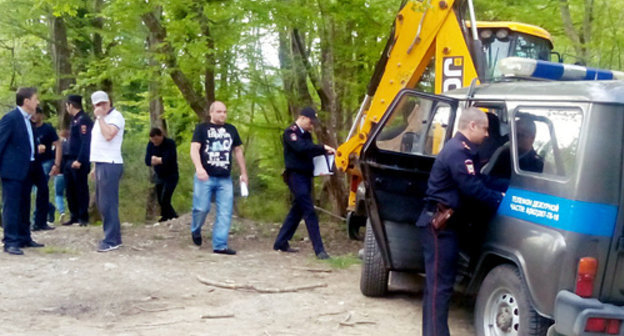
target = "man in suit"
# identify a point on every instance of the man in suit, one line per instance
(18, 170)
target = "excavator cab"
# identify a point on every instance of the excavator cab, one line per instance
(511, 39)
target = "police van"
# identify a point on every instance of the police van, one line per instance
(551, 259)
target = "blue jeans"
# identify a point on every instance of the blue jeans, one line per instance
(59, 192)
(224, 196)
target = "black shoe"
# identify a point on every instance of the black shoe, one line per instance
(322, 256)
(83, 222)
(226, 250)
(197, 238)
(32, 243)
(14, 250)
(70, 222)
(44, 227)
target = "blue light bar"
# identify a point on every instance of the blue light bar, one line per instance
(525, 67)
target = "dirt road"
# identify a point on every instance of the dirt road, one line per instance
(156, 285)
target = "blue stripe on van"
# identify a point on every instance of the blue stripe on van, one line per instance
(560, 213)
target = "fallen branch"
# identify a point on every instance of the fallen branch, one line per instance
(217, 316)
(154, 310)
(259, 289)
(352, 324)
(308, 269)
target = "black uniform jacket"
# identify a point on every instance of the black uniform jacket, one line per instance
(299, 150)
(80, 138)
(454, 175)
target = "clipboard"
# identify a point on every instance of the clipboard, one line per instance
(323, 165)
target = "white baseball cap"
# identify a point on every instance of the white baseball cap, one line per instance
(98, 97)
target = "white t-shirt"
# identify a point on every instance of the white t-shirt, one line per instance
(107, 151)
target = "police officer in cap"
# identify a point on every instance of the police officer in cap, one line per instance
(454, 182)
(76, 167)
(299, 151)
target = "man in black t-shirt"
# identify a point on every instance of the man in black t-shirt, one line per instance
(161, 154)
(50, 154)
(211, 151)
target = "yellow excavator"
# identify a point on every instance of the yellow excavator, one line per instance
(432, 38)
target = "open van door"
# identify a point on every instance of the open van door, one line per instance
(395, 162)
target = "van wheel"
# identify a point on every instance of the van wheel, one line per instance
(374, 279)
(503, 306)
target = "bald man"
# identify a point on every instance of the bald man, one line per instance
(454, 180)
(211, 152)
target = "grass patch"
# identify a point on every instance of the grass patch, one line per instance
(57, 250)
(343, 261)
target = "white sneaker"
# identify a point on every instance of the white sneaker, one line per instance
(61, 217)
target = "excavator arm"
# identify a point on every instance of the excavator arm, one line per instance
(423, 31)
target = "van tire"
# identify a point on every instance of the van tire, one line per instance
(374, 278)
(504, 307)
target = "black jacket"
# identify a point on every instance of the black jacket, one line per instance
(299, 150)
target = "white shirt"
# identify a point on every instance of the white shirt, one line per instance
(103, 150)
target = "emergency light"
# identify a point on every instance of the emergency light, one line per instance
(525, 67)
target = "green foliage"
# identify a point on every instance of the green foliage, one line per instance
(343, 261)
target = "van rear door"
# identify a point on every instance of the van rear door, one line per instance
(613, 287)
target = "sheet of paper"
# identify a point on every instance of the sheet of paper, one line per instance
(323, 165)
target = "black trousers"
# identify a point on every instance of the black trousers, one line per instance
(77, 191)
(16, 207)
(164, 192)
(302, 207)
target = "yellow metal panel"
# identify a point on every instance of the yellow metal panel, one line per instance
(454, 67)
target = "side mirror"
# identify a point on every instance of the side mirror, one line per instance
(558, 55)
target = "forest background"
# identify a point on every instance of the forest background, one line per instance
(164, 61)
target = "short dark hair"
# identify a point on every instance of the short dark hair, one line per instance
(155, 131)
(23, 94)
(38, 110)
(75, 101)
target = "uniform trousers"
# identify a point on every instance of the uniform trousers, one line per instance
(77, 190)
(441, 252)
(302, 207)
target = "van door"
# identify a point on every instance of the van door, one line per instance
(396, 161)
(613, 289)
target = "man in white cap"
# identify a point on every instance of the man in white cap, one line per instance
(106, 139)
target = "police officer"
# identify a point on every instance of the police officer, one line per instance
(299, 151)
(454, 182)
(76, 168)
(528, 159)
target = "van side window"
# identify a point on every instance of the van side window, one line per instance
(416, 126)
(546, 140)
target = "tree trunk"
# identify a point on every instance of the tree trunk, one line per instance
(158, 34)
(578, 41)
(156, 110)
(62, 67)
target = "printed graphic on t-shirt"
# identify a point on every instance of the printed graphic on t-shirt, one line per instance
(217, 149)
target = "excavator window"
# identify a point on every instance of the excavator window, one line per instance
(500, 43)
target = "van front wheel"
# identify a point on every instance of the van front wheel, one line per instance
(374, 278)
(504, 308)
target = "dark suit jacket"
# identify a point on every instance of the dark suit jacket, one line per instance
(14, 146)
